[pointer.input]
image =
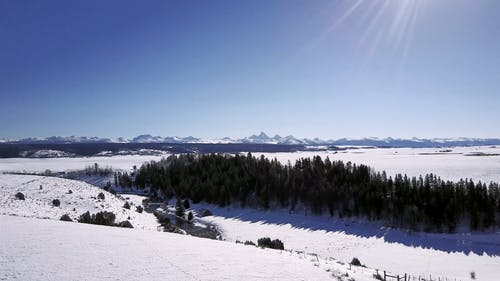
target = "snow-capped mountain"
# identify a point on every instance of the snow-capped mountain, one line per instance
(263, 138)
(147, 139)
(70, 139)
(277, 139)
(158, 139)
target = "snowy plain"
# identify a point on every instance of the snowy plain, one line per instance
(120, 162)
(479, 163)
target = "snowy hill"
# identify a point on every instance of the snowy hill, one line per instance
(76, 251)
(73, 251)
(82, 198)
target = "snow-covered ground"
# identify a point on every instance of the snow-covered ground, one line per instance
(454, 165)
(83, 198)
(445, 255)
(34, 249)
(418, 254)
(125, 162)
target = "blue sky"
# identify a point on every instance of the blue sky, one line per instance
(331, 69)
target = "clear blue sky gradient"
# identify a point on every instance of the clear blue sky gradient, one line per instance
(326, 69)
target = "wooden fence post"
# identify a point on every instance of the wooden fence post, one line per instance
(385, 276)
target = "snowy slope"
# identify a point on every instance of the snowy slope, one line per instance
(419, 254)
(34, 249)
(38, 202)
(116, 254)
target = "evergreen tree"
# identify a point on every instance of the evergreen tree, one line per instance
(343, 189)
(179, 209)
(186, 204)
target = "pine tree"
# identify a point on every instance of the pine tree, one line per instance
(343, 189)
(186, 204)
(179, 209)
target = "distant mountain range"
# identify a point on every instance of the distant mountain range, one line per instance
(263, 138)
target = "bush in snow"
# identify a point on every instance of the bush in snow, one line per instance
(126, 205)
(356, 262)
(56, 202)
(266, 242)
(162, 218)
(473, 275)
(139, 209)
(125, 224)
(85, 218)
(104, 218)
(248, 242)
(65, 217)
(41, 187)
(101, 218)
(101, 196)
(20, 196)
(70, 191)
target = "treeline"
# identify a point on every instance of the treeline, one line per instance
(323, 186)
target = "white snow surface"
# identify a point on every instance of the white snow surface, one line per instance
(34, 249)
(452, 256)
(38, 202)
(122, 162)
(454, 165)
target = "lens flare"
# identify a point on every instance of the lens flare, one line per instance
(382, 23)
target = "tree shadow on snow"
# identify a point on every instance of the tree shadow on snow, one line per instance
(466, 243)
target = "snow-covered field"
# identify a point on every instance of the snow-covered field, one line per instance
(34, 249)
(457, 164)
(419, 254)
(83, 198)
(125, 162)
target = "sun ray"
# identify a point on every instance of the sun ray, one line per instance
(369, 30)
(382, 23)
(346, 15)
